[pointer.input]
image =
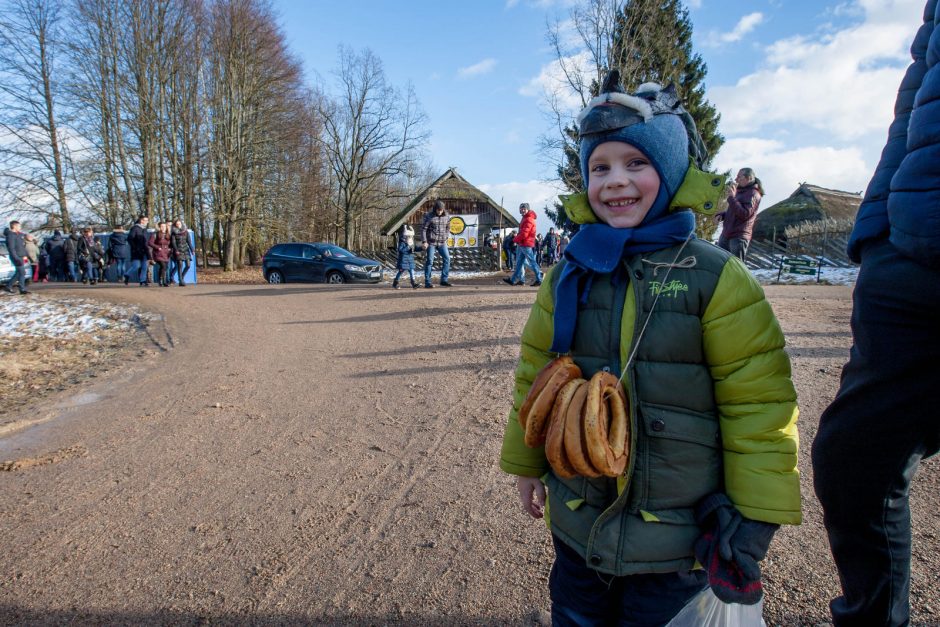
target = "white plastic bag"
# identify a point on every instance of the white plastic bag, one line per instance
(707, 610)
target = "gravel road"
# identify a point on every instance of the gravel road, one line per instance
(327, 454)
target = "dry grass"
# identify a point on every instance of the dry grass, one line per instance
(34, 367)
(213, 275)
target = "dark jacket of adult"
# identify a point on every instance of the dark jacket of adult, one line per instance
(89, 249)
(55, 248)
(118, 248)
(71, 247)
(179, 244)
(159, 247)
(435, 229)
(741, 213)
(137, 238)
(901, 201)
(526, 235)
(16, 246)
(509, 245)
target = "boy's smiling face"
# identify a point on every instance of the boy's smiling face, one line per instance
(622, 184)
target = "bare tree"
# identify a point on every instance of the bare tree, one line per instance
(372, 132)
(31, 151)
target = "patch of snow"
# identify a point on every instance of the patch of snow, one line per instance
(61, 318)
(829, 276)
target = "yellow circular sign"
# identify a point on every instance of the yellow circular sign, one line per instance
(461, 242)
(473, 241)
(457, 225)
(450, 242)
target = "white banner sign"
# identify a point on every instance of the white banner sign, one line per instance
(463, 231)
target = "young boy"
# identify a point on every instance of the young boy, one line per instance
(712, 408)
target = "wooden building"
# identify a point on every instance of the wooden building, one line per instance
(461, 198)
(809, 203)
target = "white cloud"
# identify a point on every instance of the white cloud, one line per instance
(538, 194)
(744, 26)
(842, 82)
(477, 69)
(552, 85)
(781, 169)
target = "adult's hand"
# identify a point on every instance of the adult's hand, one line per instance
(531, 495)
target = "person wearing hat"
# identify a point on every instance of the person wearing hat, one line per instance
(712, 409)
(884, 419)
(434, 233)
(525, 249)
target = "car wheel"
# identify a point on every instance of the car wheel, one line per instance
(275, 277)
(335, 277)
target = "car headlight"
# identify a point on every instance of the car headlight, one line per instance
(353, 268)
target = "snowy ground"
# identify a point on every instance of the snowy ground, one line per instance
(63, 318)
(830, 276)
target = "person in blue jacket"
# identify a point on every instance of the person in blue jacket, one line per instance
(884, 419)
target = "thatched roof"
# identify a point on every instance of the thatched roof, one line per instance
(449, 186)
(808, 203)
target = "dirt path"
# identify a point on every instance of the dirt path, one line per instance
(317, 454)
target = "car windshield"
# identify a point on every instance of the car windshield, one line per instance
(336, 251)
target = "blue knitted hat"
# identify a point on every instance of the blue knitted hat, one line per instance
(653, 120)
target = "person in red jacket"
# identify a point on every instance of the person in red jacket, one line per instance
(525, 249)
(743, 201)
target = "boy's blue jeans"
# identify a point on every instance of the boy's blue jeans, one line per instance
(525, 255)
(73, 271)
(883, 421)
(445, 257)
(581, 596)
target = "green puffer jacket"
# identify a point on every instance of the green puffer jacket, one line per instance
(712, 408)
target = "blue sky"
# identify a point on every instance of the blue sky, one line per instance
(805, 88)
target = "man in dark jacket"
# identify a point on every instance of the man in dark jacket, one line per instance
(119, 252)
(54, 248)
(139, 267)
(434, 233)
(509, 247)
(16, 248)
(884, 419)
(71, 255)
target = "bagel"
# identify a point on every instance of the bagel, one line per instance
(555, 438)
(537, 422)
(575, 447)
(541, 379)
(605, 424)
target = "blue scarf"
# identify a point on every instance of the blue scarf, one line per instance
(598, 249)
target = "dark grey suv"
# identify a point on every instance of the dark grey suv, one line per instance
(320, 261)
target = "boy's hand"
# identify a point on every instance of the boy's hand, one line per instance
(531, 495)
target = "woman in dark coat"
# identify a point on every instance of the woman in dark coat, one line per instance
(90, 255)
(406, 256)
(743, 202)
(181, 251)
(71, 255)
(159, 244)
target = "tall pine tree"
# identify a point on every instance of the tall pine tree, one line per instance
(653, 43)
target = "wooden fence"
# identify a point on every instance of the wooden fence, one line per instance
(811, 241)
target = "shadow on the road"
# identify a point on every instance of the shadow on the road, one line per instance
(453, 346)
(469, 290)
(285, 290)
(502, 365)
(411, 313)
(819, 334)
(819, 352)
(13, 615)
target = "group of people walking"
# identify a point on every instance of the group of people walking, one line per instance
(82, 257)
